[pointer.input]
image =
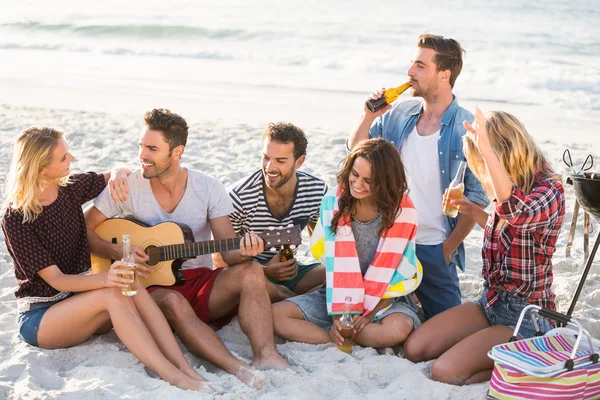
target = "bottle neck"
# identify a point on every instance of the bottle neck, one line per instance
(126, 249)
(460, 175)
(393, 93)
(347, 308)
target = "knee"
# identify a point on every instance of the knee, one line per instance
(281, 312)
(172, 304)
(278, 315)
(414, 349)
(402, 329)
(112, 295)
(443, 372)
(253, 274)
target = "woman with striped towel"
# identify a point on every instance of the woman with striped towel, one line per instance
(365, 240)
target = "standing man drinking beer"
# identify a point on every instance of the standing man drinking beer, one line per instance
(428, 132)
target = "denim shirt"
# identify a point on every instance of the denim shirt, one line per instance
(395, 126)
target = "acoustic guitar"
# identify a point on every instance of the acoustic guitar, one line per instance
(169, 244)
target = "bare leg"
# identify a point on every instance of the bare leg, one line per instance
(427, 342)
(290, 325)
(392, 331)
(198, 337)
(314, 278)
(104, 328)
(456, 369)
(244, 285)
(73, 320)
(161, 332)
(277, 292)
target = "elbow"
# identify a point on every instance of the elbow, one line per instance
(228, 258)
(57, 284)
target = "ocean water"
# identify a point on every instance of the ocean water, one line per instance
(536, 53)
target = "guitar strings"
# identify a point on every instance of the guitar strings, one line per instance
(188, 246)
(174, 248)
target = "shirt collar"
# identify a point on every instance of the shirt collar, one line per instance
(450, 112)
(448, 115)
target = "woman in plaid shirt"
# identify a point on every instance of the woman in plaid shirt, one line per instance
(519, 241)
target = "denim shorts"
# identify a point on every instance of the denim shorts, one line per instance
(313, 307)
(506, 311)
(29, 321)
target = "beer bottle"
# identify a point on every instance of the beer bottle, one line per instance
(347, 326)
(286, 252)
(389, 96)
(455, 191)
(128, 265)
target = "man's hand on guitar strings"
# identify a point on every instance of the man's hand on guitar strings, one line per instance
(251, 245)
(143, 271)
(139, 255)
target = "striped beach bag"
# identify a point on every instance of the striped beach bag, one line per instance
(562, 364)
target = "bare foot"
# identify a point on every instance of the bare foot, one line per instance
(210, 388)
(273, 361)
(191, 372)
(251, 377)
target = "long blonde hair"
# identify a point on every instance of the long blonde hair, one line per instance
(32, 153)
(521, 158)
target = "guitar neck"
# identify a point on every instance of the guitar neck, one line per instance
(194, 249)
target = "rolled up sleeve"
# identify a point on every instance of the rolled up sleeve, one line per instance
(535, 210)
(474, 190)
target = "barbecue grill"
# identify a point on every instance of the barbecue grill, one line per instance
(587, 192)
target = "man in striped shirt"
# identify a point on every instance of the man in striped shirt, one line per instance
(277, 195)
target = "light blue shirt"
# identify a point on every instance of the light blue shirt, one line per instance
(395, 126)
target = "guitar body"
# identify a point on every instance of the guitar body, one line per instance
(169, 244)
(166, 273)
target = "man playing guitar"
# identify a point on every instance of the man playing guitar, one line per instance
(163, 190)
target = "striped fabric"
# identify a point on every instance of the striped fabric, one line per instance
(394, 271)
(535, 369)
(252, 212)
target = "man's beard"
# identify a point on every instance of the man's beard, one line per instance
(157, 173)
(282, 181)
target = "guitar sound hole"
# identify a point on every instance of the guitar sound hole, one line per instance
(153, 255)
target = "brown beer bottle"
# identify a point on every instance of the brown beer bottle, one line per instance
(286, 252)
(388, 97)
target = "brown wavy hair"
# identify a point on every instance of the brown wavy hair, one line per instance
(284, 132)
(449, 53)
(173, 127)
(388, 181)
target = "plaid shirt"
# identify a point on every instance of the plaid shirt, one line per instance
(518, 256)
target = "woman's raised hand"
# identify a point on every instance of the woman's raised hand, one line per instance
(479, 132)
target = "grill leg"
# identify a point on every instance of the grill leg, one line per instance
(588, 265)
(572, 232)
(586, 235)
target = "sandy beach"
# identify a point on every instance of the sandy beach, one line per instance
(231, 67)
(101, 368)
